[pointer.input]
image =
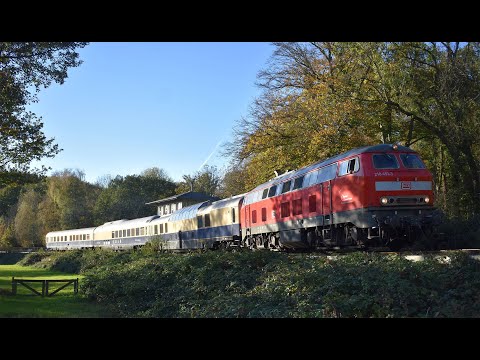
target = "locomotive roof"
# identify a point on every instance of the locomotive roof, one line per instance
(321, 163)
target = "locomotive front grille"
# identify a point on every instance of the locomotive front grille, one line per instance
(404, 200)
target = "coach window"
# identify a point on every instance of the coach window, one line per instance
(137, 231)
(264, 214)
(124, 233)
(286, 186)
(298, 183)
(116, 233)
(272, 191)
(233, 215)
(113, 234)
(254, 216)
(265, 192)
(155, 230)
(385, 161)
(412, 161)
(166, 227)
(200, 221)
(88, 236)
(84, 236)
(207, 220)
(161, 228)
(142, 231)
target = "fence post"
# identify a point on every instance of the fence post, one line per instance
(14, 286)
(43, 287)
(46, 287)
(75, 287)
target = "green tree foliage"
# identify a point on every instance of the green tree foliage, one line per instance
(71, 199)
(27, 224)
(7, 234)
(207, 180)
(26, 67)
(320, 99)
(233, 182)
(11, 185)
(125, 197)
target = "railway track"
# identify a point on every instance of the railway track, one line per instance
(412, 255)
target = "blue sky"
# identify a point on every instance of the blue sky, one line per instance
(132, 106)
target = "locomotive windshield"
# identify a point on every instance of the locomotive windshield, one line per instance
(385, 161)
(412, 161)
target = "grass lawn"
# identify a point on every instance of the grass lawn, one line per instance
(26, 304)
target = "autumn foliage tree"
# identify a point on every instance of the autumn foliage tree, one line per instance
(320, 99)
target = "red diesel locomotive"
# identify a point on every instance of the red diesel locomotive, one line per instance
(372, 196)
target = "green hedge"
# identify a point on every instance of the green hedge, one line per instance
(269, 284)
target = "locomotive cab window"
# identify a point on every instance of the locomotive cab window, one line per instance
(348, 167)
(412, 161)
(207, 220)
(200, 221)
(385, 161)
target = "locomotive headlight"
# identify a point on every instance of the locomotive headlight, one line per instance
(384, 200)
(427, 199)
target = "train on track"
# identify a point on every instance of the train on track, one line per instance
(373, 196)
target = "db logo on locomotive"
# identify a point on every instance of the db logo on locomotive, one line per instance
(406, 185)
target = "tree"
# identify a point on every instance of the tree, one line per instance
(7, 235)
(156, 173)
(125, 197)
(323, 98)
(206, 180)
(27, 226)
(71, 198)
(25, 68)
(233, 182)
